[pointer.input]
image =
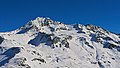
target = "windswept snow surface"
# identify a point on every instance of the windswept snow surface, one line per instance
(44, 43)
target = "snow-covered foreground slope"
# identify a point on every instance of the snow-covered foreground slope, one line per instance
(44, 43)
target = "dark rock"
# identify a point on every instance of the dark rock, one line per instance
(100, 65)
(1, 39)
(82, 39)
(109, 62)
(39, 59)
(109, 45)
(91, 46)
(69, 37)
(80, 29)
(113, 58)
(65, 42)
(93, 62)
(52, 29)
(56, 40)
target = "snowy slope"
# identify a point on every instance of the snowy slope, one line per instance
(44, 43)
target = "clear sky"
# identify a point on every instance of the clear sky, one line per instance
(104, 13)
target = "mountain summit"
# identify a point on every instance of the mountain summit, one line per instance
(44, 43)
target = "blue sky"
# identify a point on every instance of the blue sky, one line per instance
(104, 13)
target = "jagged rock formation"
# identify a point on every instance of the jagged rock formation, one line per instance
(44, 43)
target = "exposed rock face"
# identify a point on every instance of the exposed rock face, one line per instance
(44, 43)
(1, 39)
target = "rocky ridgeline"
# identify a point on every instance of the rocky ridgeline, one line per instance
(43, 42)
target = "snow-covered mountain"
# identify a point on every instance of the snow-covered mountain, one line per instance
(44, 43)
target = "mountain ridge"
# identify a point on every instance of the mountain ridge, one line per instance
(45, 43)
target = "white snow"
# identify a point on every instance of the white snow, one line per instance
(79, 51)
